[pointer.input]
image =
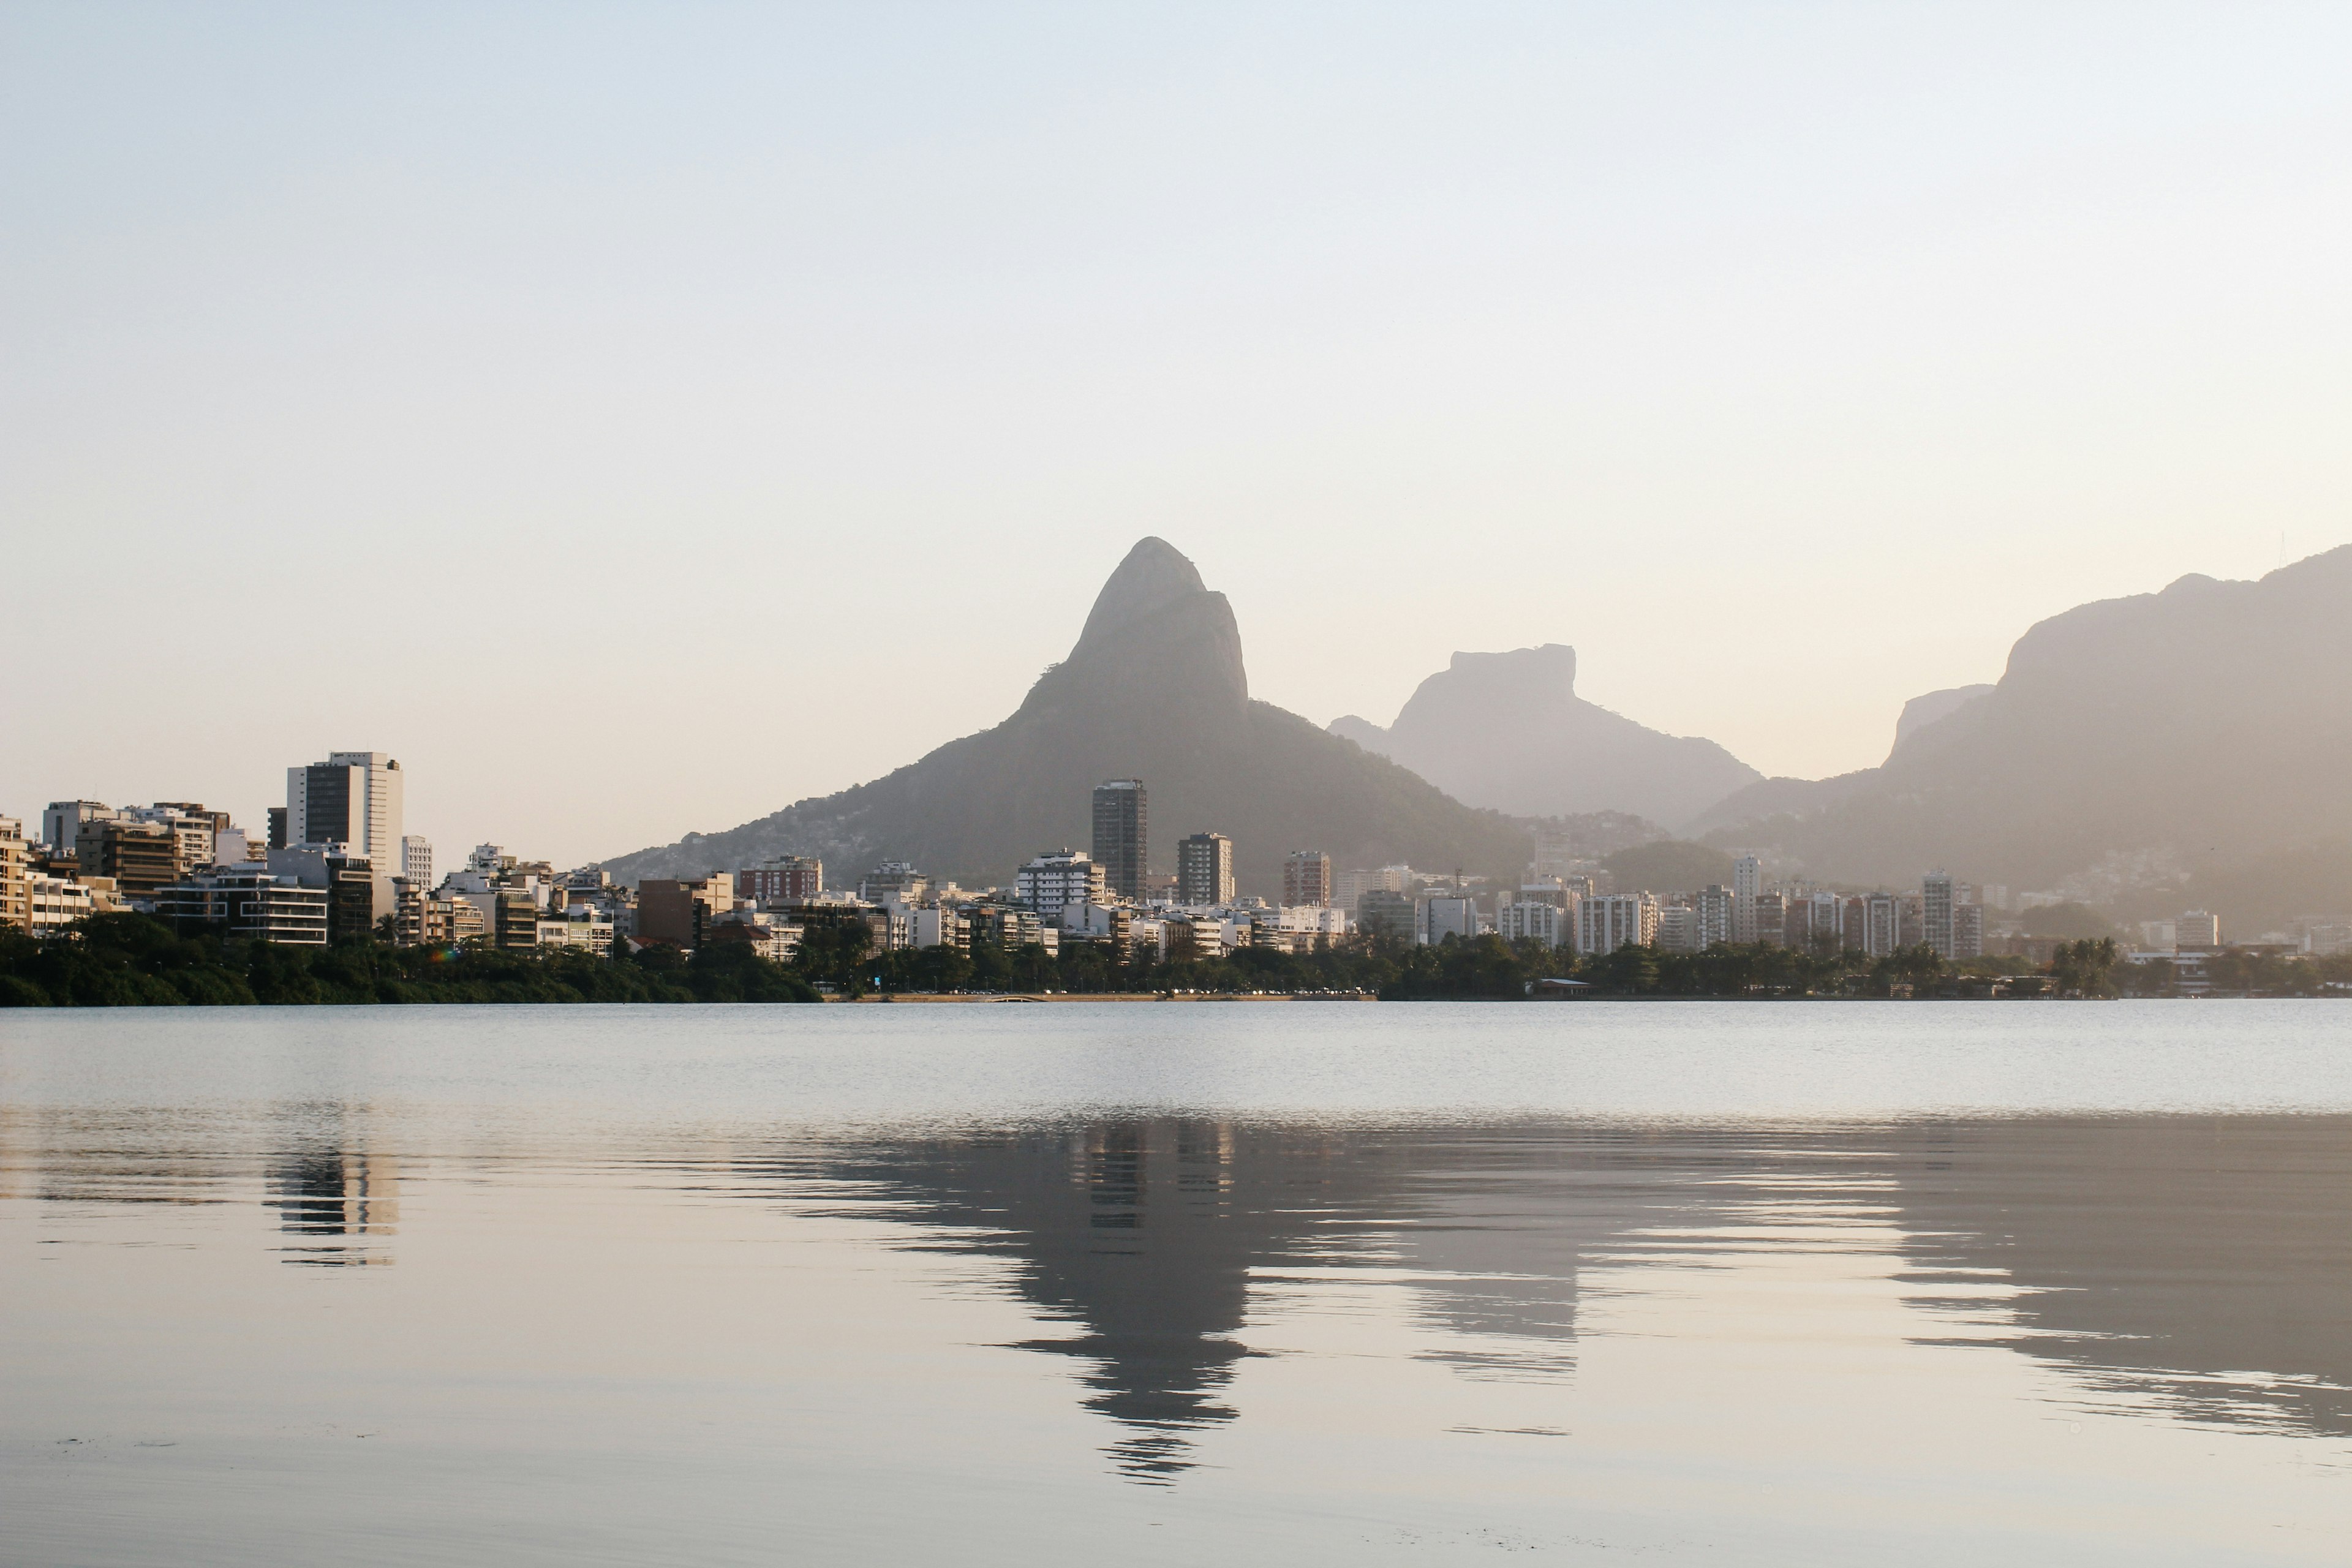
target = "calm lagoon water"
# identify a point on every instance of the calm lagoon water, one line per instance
(1296, 1283)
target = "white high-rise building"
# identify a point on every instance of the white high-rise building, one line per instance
(353, 799)
(1607, 921)
(1882, 924)
(417, 858)
(61, 822)
(1968, 931)
(1713, 903)
(1447, 916)
(1937, 897)
(1537, 921)
(1747, 886)
(1058, 878)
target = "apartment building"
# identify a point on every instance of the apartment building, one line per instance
(787, 879)
(61, 822)
(1057, 878)
(1533, 921)
(1388, 913)
(1678, 929)
(1204, 870)
(1712, 906)
(894, 882)
(1350, 887)
(679, 911)
(137, 857)
(247, 903)
(1306, 878)
(15, 875)
(1122, 838)
(1747, 886)
(1447, 915)
(1607, 921)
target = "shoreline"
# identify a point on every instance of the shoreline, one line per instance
(952, 998)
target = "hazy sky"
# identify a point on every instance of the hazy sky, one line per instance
(636, 418)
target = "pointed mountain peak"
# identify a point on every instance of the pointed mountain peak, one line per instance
(1154, 577)
(1158, 635)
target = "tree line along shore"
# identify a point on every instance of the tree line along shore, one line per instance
(132, 960)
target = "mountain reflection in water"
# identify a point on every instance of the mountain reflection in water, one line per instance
(1150, 1236)
(1788, 1285)
(2180, 1267)
(2203, 1264)
(2196, 1265)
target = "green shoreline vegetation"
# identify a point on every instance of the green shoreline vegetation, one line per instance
(132, 960)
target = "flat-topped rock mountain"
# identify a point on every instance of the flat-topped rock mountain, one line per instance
(1155, 688)
(1507, 730)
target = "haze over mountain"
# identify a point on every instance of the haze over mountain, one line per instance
(2197, 739)
(1154, 688)
(1507, 730)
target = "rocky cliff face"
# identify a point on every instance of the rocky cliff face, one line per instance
(1154, 688)
(2204, 727)
(1932, 709)
(1507, 730)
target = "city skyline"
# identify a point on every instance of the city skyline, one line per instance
(196, 869)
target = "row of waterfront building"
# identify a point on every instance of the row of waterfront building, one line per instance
(335, 862)
(1082, 893)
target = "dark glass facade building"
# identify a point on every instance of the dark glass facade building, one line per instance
(1204, 870)
(1121, 845)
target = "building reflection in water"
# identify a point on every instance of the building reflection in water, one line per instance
(337, 1204)
(2196, 1266)
(335, 1198)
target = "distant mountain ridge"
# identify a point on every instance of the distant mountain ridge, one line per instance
(1155, 688)
(1507, 730)
(2208, 727)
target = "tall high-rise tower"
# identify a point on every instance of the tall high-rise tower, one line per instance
(1747, 887)
(353, 798)
(1120, 845)
(1936, 903)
